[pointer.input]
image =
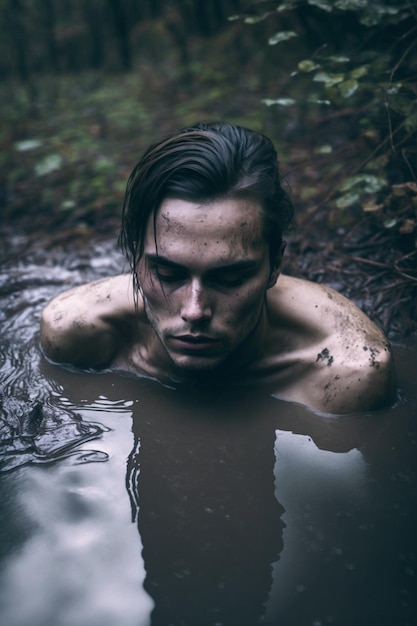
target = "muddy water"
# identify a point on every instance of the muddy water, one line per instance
(126, 502)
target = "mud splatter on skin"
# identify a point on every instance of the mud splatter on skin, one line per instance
(331, 390)
(325, 355)
(331, 382)
(372, 359)
(373, 352)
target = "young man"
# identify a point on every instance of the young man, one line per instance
(202, 228)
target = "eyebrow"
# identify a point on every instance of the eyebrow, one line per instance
(244, 264)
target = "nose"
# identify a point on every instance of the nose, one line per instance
(195, 306)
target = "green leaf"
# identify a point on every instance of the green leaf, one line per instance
(350, 5)
(394, 89)
(315, 100)
(348, 88)
(256, 18)
(285, 102)
(368, 182)
(369, 19)
(326, 149)
(67, 205)
(328, 78)
(48, 164)
(349, 199)
(287, 5)
(358, 72)
(338, 58)
(375, 13)
(390, 223)
(321, 4)
(307, 65)
(27, 144)
(282, 35)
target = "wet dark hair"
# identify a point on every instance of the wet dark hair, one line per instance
(205, 162)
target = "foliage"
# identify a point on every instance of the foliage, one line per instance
(66, 154)
(357, 61)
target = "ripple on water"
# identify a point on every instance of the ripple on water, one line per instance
(35, 426)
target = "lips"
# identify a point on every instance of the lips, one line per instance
(195, 342)
(195, 338)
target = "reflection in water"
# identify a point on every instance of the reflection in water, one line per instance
(70, 554)
(210, 525)
(321, 491)
(255, 511)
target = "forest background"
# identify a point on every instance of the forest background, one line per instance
(87, 85)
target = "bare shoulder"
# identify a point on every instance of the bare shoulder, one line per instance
(84, 326)
(341, 360)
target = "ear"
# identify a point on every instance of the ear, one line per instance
(276, 265)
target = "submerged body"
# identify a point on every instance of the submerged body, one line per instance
(212, 308)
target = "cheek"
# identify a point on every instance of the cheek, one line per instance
(246, 307)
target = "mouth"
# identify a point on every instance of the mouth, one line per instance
(195, 343)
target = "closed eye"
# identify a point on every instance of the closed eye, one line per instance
(169, 275)
(164, 269)
(226, 277)
(232, 278)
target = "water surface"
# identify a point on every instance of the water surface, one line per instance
(127, 502)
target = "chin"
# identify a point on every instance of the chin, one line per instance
(193, 367)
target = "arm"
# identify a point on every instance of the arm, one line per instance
(88, 325)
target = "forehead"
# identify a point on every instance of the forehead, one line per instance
(221, 230)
